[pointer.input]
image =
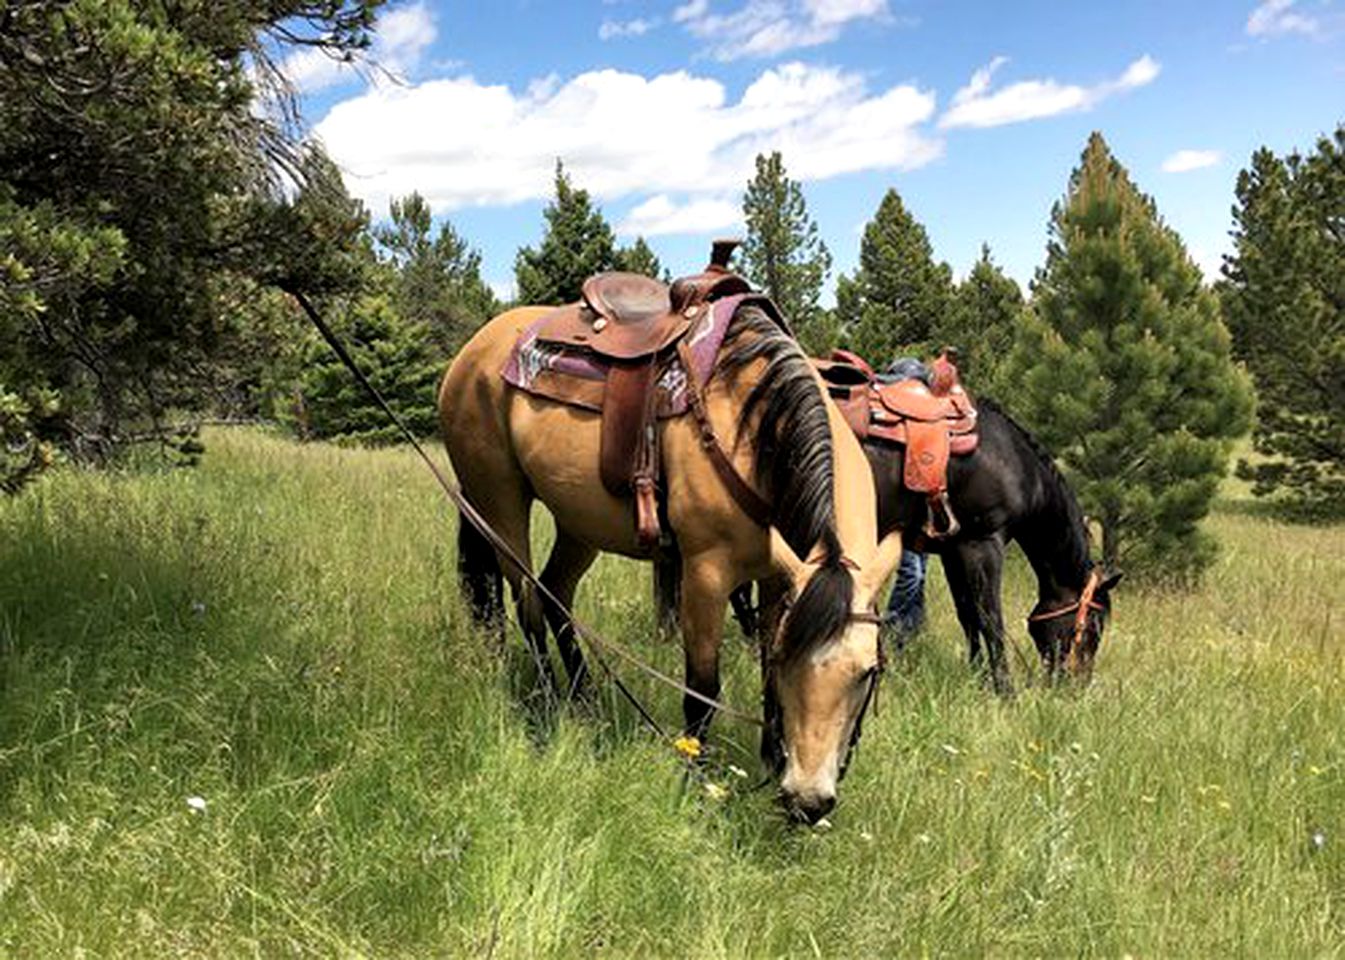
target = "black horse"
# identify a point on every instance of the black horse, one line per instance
(1008, 489)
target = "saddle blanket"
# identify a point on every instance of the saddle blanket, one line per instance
(578, 377)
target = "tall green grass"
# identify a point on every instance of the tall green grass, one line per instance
(278, 633)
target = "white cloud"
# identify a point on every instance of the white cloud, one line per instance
(975, 105)
(403, 35)
(661, 215)
(692, 10)
(979, 82)
(1186, 160)
(611, 29)
(768, 28)
(1142, 72)
(1275, 17)
(463, 143)
(843, 11)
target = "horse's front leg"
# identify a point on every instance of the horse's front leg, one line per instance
(705, 592)
(983, 569)
(955, 572)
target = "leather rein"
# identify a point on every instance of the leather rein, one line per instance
(1086, 604)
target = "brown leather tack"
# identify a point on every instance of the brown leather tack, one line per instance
(634, 323)
(931, 425)
(625, 408)
(623, 316)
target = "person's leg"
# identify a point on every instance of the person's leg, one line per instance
(907, 602)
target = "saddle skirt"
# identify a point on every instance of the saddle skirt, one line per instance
(931, 428)
(931, 423)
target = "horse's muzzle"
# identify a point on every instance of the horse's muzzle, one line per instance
(809, 807)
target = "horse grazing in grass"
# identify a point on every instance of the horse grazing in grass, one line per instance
(1005, 488)
(1008, 489)
(783, 438)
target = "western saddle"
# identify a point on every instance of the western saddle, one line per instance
(930, 421)
(632, 327)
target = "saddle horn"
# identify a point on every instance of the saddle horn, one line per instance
(721, 251)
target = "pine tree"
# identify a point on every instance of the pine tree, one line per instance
(1285, 303)
(396, 355)
(578, 243)
(899, 295)
(986, 313)
(783, 253)
(639, 258)
(138, 180)
(1123, 368)
(438, 281)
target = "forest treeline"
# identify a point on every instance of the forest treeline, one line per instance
(159, 205)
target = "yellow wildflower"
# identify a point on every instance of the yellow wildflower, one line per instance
(688, 747)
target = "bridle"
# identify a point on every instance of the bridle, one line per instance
(770, 656)
(1086, 603)
(875, 677)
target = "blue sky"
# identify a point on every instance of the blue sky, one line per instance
(974, 111)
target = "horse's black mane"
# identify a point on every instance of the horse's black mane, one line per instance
(793, 457)
(794, 461)
(1059, 497)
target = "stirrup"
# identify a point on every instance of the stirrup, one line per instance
(939, 502)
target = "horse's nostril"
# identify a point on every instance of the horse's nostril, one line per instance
(807, 809)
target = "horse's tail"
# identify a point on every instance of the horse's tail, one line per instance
(479, 574)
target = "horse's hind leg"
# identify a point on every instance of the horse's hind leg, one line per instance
(508, 511)
(570, 558)
(480, 576)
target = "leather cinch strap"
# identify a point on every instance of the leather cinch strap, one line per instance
(748, 499)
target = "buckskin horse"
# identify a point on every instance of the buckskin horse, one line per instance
(1005, 487)
(700, 391)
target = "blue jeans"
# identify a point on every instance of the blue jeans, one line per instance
(907, 602)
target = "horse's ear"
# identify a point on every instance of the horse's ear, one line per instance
(1110, 580)
(875, 574)
(784, 559)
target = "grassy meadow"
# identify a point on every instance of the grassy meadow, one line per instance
(276, 636)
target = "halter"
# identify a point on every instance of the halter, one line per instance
(1080, 608)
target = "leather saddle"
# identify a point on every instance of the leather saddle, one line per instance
(931, 421)
(631, 324)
